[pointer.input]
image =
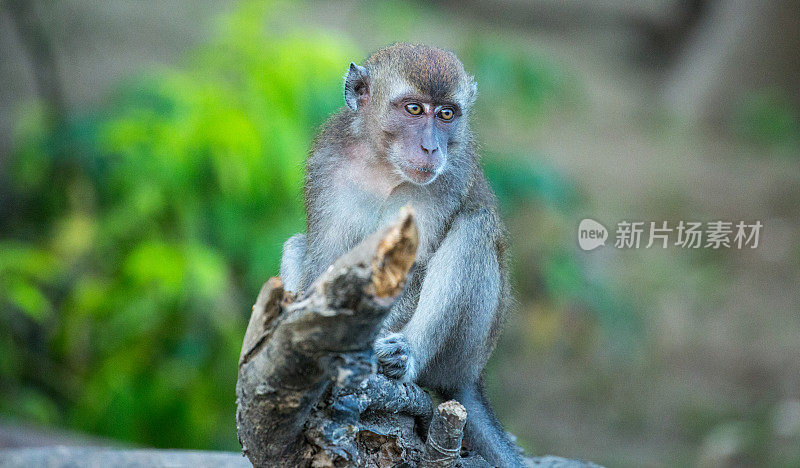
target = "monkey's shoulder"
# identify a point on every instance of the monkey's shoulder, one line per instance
(327, 151)
(334, 134)
(480, 199)
(480, 210)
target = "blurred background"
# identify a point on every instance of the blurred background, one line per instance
(151, 167)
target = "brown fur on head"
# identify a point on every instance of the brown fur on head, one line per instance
(434, 72)
(413, 101)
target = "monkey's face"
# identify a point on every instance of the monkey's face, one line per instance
(415, 101)
(419, 132)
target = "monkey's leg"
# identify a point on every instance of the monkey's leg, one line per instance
(458, 300)
(483, 433)
(293, 262)
(447, 341)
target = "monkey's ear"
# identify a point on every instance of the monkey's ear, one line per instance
(356, 86)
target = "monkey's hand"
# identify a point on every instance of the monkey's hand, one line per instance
(394, 357)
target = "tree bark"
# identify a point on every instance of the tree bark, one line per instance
(443, 446)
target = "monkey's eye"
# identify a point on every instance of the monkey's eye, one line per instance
(446, 114)
(414, 108)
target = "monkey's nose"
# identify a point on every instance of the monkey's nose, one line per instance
(429, 149)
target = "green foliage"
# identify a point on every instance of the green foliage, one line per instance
(516, 87)
(519, 179)
(768, 118)
(146, 228)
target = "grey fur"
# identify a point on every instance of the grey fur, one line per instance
(444, 326)
(292, 262)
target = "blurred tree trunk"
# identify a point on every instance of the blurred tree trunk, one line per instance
(36, 40)
(740, 46)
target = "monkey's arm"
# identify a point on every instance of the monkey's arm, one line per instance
(447, 339)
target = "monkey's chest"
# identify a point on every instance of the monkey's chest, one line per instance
(356, 213)
(351, 215)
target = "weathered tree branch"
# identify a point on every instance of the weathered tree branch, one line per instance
(307, 389)
(443, 446)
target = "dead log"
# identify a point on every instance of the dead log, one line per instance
(308, 392)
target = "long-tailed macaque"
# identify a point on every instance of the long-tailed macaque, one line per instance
(404, 138)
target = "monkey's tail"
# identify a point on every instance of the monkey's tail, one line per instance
(483, 432)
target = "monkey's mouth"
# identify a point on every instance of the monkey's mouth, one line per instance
(420, 175)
